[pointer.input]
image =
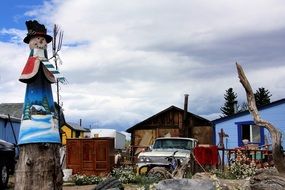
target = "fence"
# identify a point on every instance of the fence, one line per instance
(262, 157)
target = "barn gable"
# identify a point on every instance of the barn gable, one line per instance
(170, 122)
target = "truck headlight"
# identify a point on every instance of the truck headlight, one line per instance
(144, 159)
(147, 159)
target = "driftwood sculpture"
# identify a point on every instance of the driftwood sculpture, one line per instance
(276, 135)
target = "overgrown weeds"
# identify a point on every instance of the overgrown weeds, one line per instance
(241, 168)
(86, 180)
(125, 174)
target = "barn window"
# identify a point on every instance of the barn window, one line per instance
(253, 133)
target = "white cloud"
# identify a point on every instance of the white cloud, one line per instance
(127, 60)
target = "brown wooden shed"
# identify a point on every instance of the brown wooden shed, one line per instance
(94, 156)
(171, 122)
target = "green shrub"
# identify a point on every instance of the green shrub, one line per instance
(85, 180)
(240, 168)
(222, 174)
(127, 175)
(124, 174)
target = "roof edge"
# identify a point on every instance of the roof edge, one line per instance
(165, 110)
(239, 114)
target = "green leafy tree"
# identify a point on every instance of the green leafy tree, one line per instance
(230, 106)
(262, 96)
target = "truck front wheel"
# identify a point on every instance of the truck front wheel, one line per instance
(160, 173)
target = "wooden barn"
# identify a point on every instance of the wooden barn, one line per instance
(174, 122)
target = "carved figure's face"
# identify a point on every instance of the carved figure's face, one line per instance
(38, 42)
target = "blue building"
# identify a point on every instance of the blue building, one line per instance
(241, 126)
(10, 120)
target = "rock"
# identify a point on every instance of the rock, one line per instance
(185, 184)
(224, 184)
(264, 182)
(267, 171)
(202, 175)
(229, 184)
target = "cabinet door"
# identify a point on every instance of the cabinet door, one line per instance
(73, 154)
(88, 153)
(102, 162)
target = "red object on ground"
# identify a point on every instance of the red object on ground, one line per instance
(206, 155)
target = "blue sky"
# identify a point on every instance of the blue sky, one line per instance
(128, 60)
(14, 11)
(13, 14)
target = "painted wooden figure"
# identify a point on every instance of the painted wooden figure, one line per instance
(38, 166)
(39, 120)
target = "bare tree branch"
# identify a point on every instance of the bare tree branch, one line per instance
(276, 135)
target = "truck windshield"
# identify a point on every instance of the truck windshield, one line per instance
(173, 143)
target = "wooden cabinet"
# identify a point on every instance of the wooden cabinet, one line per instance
(90, 156)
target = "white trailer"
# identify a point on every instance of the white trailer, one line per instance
(119, 138)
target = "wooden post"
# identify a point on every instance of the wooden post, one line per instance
(39, 167)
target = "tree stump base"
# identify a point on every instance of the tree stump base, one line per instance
(39, 167)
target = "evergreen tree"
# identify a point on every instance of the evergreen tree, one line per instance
(26, 114)
(45, 105)
(262, 96)
(230, 103)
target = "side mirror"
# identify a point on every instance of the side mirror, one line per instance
(150, 147)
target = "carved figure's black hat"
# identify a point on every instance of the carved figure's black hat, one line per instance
(36, 29)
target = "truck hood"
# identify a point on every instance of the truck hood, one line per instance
(166, 152)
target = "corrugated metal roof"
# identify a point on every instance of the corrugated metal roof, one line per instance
(76, 127)
(15, 111)
(6, 117)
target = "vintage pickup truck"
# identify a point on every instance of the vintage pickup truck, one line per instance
(7, 162)
(162, 148)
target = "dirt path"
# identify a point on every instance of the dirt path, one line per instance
(83, 187)
(90, 187)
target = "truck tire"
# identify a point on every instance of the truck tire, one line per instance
(160, 173)
(4, 175)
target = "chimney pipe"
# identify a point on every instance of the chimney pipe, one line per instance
(184, 130)
(185, 104)
(80, 122)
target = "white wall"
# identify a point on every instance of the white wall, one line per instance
(119, 138)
